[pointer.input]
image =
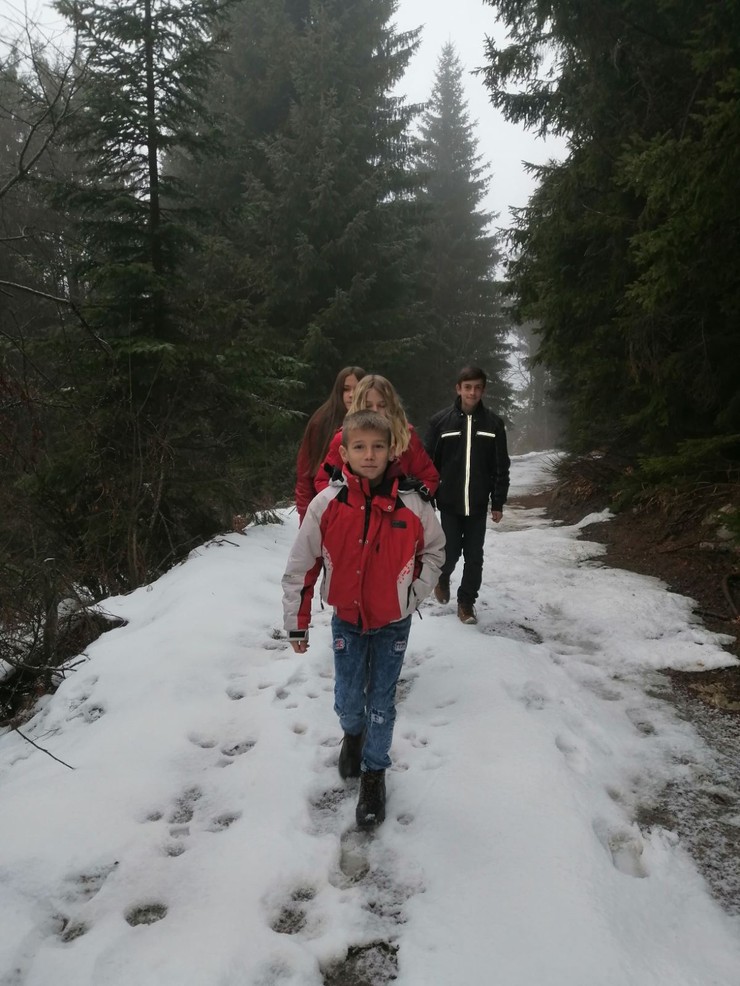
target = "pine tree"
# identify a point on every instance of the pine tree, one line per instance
(465, 323)
(318, 163)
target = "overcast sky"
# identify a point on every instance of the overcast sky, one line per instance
(466, 23)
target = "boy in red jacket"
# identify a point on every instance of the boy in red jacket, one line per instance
(381, 548)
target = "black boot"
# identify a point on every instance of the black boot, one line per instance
(371, 803)
(350, 755)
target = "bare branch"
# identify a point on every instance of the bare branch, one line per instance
(60, 301)
(28, 740)
(55, 113)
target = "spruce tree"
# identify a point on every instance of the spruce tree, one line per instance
(465, 323)
(319, 166)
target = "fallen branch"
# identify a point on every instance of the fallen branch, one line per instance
(28, 740)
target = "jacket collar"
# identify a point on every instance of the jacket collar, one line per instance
(384, 493)
(480, 407)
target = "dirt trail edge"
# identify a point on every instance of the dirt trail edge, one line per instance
(705, 815)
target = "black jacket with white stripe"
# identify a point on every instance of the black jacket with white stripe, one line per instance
(470, 453)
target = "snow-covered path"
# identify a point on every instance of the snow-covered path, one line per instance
(204, 837)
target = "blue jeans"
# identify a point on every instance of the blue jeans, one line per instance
(366, 668)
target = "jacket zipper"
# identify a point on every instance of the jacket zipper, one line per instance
(468, 450)
(366, 528)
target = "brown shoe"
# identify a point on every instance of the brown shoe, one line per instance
(442, 590)
(466, 613)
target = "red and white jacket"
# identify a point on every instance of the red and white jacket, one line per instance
(381, 551)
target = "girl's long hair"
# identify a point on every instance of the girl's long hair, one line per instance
(326, 420)
(401, 436)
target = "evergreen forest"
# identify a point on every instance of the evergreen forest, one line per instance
(208, 207)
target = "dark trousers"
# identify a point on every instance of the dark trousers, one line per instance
(465, 536)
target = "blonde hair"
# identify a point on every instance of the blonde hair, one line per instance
(394, 412)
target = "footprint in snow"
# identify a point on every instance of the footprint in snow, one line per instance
(81, 887)
(512, 631)
(572, 751)
(416, 741)
(625, 847)
(640, 722)
(415, 658)
(354, 864)
(327, 807)
(70, 930)
(78, 889)
(375, 963)
(403, 687)
(222, 822)
(237, 749)
(184, 807)
(292, 918)
(146, 913)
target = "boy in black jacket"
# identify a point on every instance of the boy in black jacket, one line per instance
(467, 444)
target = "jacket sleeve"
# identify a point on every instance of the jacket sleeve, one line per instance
(500, 479)
(304, 488)
(432, 554)
(333, 460)
(432, 436)
(415, 462)
(301, 572)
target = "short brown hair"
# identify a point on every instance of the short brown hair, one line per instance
(472, 373)
(366, 421)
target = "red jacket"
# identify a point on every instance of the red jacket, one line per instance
(305, 490)
(414, 462)
(304, 487)
(381, 552)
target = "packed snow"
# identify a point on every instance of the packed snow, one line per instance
(204, 837)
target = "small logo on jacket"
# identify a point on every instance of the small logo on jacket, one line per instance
(398, 523)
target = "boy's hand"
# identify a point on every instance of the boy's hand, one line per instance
(299, 646)
(496, 516)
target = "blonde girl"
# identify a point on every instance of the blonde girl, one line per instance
(375, 393)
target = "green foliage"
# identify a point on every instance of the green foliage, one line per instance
(704, 460)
